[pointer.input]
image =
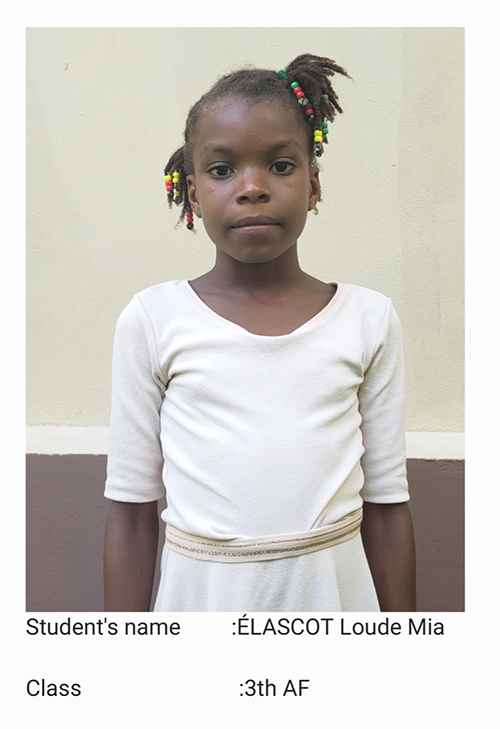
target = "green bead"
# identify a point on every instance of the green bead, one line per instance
(294, 85)
(325, 96)
(282, 74)
(324, 128)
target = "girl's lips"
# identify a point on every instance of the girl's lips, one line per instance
(255, 230)
(257, 225)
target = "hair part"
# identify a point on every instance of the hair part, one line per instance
(312, 73)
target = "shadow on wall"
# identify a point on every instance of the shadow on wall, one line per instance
(66, 514)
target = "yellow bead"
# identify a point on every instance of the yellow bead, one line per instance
(168, 178)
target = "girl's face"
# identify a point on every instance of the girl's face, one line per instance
(253, 182)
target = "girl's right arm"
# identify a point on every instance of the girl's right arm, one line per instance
(135, 463)
(130, 549)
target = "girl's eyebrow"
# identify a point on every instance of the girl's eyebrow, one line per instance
(221, 149)
(215, 148)
(284, 143)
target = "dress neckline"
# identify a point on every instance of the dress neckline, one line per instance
(306, 325)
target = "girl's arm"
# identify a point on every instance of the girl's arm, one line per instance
(130, 548)
(387, 533)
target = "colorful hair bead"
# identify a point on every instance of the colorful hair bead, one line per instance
(175, 180)
(302, 99)
(169, 186)
(319, 134)
(189, 219)
(318, 142)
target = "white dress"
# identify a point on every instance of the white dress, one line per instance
(253, 435)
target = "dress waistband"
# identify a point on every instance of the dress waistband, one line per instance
(263, 548)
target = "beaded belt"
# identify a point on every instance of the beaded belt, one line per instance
(264, 548)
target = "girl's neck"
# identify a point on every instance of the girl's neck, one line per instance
(271, 298)
(277, 275)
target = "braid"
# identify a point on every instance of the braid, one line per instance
(311, 73)
(180, 197)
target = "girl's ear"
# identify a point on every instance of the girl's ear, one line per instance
(315, 189)
(191, 192)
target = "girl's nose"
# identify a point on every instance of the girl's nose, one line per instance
(253, 187)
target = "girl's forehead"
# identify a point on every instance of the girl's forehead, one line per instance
(241, 120)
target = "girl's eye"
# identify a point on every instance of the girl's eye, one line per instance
(282, 166)
(220, 171)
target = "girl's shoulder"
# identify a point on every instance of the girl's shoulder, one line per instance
(156, 299)
(159, 294)
(148, 306)
(370, 313)
(364, 294)
(363, 301)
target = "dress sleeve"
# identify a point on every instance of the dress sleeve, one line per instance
(135, 459)
(381, 405)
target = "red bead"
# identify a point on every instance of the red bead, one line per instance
(189, 217)
(309, 111)
(297, 90)
(300, 95)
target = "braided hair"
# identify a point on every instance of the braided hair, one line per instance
(310, 72)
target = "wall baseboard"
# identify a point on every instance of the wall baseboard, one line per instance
(449, 446)
(66, 440)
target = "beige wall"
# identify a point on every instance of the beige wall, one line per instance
(106, 108)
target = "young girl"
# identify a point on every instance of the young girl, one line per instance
(269, 404)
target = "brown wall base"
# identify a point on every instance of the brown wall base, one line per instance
(66, 515)
(437, 506)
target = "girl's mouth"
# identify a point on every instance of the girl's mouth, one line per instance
(255, 224)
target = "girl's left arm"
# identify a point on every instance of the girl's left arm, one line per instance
(387, 533)
(387, 529)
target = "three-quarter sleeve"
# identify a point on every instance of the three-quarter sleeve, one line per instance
(135, 459)
(381, 405)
